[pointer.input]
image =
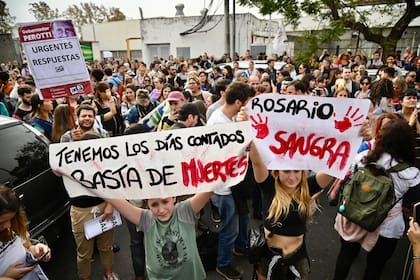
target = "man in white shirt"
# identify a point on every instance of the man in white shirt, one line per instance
(236, 96)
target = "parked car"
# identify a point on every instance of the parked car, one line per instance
(372, 73)
(24, 166)
(243, 65)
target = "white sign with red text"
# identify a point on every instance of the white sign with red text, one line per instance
(55, 58)
(156, 164)
(294, 132)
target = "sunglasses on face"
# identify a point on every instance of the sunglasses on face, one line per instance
(364, 84)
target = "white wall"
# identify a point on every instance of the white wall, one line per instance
(111, 36)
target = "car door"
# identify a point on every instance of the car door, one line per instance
(24, 166)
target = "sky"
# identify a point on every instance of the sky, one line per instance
(151, 8)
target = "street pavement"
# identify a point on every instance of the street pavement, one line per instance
(322, 243)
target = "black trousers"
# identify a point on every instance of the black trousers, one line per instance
(376, 259)
(137, 249)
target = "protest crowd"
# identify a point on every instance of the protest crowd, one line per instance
(131, 97)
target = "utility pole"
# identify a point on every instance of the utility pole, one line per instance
(269, 51)
(227, 29)
(233, 30)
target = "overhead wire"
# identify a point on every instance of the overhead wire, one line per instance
(201, 23)
(205, 19)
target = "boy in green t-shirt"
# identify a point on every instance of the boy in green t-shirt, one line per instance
(169, 235)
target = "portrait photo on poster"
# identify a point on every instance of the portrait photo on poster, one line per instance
(62, 29)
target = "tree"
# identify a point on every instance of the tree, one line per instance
(6, 20)
(92, 13)
(351, 14)
(114, 14)
(81, 14)
(42, 11)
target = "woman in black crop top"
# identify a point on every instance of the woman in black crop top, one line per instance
(287, 198)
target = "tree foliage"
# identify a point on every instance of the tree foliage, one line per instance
(357, 15)
(42, 11)
(81, 14)
(91, 13)
(6, 20)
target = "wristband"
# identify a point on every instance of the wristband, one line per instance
(416, 258)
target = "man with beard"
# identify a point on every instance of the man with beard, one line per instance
(234, 217)
(85, 208)
(188, 116)
(86, 120)
(24, 109)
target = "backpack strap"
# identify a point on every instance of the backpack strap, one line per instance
(399, 167)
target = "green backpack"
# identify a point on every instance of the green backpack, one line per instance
(368, 195)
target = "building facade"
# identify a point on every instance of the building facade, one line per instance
(161, 37)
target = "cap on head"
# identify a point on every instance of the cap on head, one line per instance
(176, 96)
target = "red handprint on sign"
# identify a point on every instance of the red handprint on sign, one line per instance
(348, 120)
(260, 126)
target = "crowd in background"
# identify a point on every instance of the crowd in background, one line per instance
(126, 91)
(178, 93)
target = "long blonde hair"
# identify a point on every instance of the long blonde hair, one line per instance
(281, 201)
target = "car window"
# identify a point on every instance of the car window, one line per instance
(23, 155)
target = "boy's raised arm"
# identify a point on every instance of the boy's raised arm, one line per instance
(129, 211)
(199, 200)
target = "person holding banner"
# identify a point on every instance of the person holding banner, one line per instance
(169, 235)
(18, 257)
(233, 223)
(85, 208)
(287, 198)
(136, 237)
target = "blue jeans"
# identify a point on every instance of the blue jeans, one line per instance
(241, 242)
(228, 229)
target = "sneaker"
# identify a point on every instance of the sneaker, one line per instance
(229, 272)
(111, 276)
(239, 253)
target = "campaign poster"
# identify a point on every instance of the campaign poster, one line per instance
(55, 58)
